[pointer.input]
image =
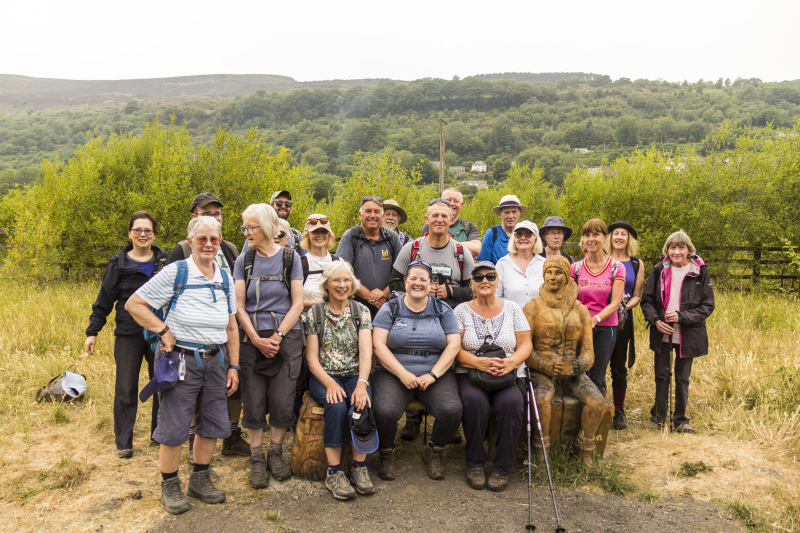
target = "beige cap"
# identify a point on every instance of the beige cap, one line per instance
(320, 221)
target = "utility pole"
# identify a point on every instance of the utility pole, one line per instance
(442, 130)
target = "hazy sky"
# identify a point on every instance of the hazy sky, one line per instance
(316, 40)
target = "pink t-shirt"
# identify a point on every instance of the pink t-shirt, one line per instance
(595, 288)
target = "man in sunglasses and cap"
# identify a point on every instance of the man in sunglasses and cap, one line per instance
(495, 241)
(371, 249)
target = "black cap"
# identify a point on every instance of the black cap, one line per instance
(205, 198)
(624, 224)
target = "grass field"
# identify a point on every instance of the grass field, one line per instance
(59, 463)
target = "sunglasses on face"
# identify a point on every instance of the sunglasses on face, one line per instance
(280, 235)
(282, 203)
(314, 221)
(139, 231)
(202, 241)
(491, 276)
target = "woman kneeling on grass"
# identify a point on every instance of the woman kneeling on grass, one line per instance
(677, 300)
(339, 355)
(197, 334)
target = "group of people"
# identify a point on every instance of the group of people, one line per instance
(449, 319)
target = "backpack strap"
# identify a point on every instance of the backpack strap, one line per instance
(460, 257)
(304, 264)
(636, 264)
(180, 284)
(355, 314)
(414, 250)
(577, 270)
(494, 235)
(318, 312)
(288, 265)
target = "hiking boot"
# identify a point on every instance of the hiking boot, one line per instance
(361, 481)
(619, 419)
(277, 464)
(259, 477)
(656, 425)
(410, 430)
(339, 486)
(387, 468)
(235, 444)
(434, 458)
(685, 428)
(191, 449)
(497, 482)
(476, 477)
(125, 454)
(200, 486)
(172, 496)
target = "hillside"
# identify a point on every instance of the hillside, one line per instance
(49, 93)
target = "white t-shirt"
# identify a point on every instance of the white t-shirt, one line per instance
(311, 290)
(502, 328)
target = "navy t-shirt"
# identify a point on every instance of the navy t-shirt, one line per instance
(411, 331)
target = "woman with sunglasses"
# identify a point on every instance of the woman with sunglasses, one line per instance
(522, 270)
(415, 339)
(318, 238)
(488, 320)
(281, 238)
(132, 267)
(268, 309)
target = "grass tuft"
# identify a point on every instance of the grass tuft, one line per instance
(751, 518)
(272, 516)
(692, 469)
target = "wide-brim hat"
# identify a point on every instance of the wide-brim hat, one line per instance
(311, 227)
(510, 200)
(624, 224)
(363, 429)
(555, 222)
(392, 204)
(165, 377)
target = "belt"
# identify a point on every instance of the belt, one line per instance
(418, 353)
(201, 351)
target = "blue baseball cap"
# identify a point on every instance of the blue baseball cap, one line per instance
(165, 377)
(363, 430)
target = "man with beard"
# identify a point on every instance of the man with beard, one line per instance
(560, 325)
(393, 216)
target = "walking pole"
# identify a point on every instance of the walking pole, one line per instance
(532, 400)
(669, 389)
(530, 526)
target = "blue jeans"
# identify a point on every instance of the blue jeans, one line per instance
(604, 338)
(335, 413)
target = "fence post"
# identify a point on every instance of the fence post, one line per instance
(756, 265)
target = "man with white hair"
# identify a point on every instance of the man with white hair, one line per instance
(461, 230)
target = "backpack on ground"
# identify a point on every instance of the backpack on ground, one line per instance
(152, 338)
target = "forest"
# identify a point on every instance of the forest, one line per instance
(528, 119)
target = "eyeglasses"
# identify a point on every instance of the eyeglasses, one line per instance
(215, 214)
(490, 276)
(215, 241)
(313, 221)
(376, 199)
(282, 203)
(248, 229)
(139, 231)
(440, 201)
(280, 235)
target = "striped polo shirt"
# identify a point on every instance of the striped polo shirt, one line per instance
(196, 317)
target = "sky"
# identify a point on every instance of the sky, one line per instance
(320, 40)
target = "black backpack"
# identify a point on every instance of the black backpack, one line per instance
(359, 236)
(304, 264)
(318, 312)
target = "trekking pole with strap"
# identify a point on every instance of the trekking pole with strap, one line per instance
(669, 387)
(532, 400)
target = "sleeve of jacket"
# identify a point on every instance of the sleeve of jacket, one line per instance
(397, 282)
(106, 298)
(704, 309)
(650, 297)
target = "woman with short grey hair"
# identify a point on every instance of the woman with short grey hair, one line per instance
(269, 295)
(678, 298)
(339, 354)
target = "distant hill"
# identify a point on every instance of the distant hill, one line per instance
(50, 93)
(538, 77)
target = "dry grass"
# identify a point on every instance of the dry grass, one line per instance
(60, 469)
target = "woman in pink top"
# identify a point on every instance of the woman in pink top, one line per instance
(601, 283)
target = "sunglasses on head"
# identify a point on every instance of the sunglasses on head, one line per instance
(376, 199)
(440, 201)
(282, 203)
(490, 276)
(314, 221)
(423, 264)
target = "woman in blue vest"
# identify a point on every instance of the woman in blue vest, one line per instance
(622, 247)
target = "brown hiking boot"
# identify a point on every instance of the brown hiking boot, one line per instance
(434, 458)
(259, 477)
(277, 464)
(200, 486)
(476, 477)
(387, 468)
(235, 444)
(497, 482)
(172, 497)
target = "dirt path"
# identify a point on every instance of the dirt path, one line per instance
(413, 502)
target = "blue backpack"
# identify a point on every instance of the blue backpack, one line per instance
(152, 338)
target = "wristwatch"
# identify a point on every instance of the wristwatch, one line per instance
(279, 334)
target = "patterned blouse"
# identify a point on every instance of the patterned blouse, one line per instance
(338, 348)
